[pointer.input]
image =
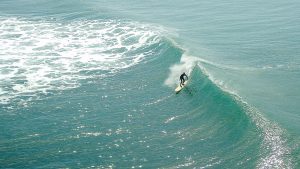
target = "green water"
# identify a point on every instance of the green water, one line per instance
(91, 84)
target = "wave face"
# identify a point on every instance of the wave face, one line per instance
(235, 124)
(82, 86)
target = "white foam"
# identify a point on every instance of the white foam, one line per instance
(38, 56)
(186, 65)
(171, 119)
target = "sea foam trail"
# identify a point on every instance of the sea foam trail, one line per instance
(42, 55)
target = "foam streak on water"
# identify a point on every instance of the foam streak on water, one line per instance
(38, 55)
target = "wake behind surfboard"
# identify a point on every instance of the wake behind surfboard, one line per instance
(179, 88)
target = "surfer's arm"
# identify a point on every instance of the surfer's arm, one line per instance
(187, 78)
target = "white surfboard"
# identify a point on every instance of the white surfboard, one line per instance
(179, 88)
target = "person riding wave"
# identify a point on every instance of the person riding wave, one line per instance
(182, 80)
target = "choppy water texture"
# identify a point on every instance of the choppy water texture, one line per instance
(91, 84)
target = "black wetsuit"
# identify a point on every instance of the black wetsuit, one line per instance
(182, 80)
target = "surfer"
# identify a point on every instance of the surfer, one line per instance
(182, 80)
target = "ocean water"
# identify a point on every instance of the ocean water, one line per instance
(90, 84)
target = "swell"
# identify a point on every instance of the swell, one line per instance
(229, 118)
(277, 148)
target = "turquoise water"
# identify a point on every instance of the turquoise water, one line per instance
(91, 84)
